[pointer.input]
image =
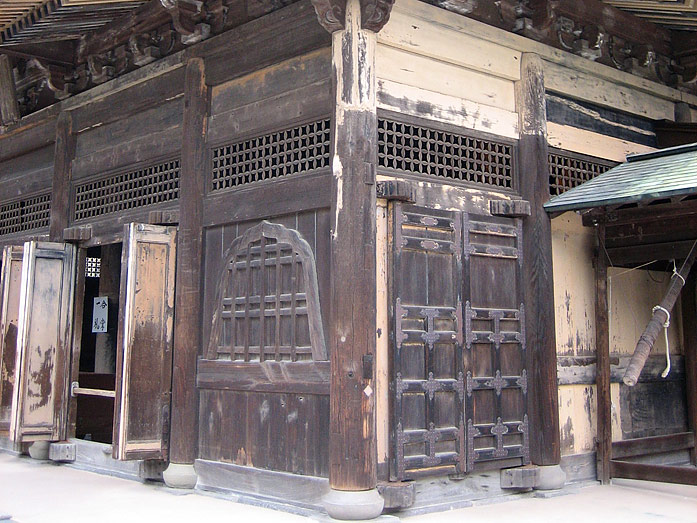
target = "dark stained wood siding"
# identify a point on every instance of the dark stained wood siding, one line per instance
(276, 431)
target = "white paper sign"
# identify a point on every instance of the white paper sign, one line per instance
(100, 314)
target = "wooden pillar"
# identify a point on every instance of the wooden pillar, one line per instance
(62, 176)
(689, 326)
(9, 108)
(538, 289)
(352, 447)
(602, 352)
(184, 417)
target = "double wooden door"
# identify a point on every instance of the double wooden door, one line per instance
(39, 310)
(459, 384)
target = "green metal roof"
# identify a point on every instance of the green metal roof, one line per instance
(650, 176)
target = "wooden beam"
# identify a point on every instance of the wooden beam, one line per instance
(689, 327)
(281, 35)
(62, 176)
(9, 108)
(653, 445)
(545, 448)
(602, 350)
(184, 428)
(352, 447)
(645, 253)
(647, 472)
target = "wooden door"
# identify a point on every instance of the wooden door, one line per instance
(144, 343)
(459, 386)
(494, 353)
(39, 401)
(9, 316)
(428, 381)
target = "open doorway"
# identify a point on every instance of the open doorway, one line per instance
(95, 412)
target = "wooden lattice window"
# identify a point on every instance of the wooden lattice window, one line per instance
(150, 185)
(417, 149)
(26, 214)
(567, 171)
(301, 149)
(267, 303)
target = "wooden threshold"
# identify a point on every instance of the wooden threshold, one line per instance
(686, 475)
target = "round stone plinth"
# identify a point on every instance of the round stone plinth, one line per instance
(180, 475)
(353, 505)
(39, 449)
(550, 477)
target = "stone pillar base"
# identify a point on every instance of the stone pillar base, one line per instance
(39, 450)
(353, 504)
(550, 477)
(180, 475)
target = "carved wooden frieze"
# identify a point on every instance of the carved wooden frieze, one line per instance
(332, 13)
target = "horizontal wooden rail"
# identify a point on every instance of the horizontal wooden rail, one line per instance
(665, 473)
(76, 390)
(653, 445)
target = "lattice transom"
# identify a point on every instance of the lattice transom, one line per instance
(426, 151)
(268, 300)
(567, 172)
(128, 190)
(26, 214)
(292, 151)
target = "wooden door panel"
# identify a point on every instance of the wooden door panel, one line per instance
(494, 355)
(11, 285)
(428, 422)
(39, 408)
(144, 356)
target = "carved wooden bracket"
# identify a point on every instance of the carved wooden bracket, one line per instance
(186, 15)
(332, 13)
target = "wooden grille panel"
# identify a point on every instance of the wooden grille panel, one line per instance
(567, 171)
(292, 151)
(93, 267)
(128, 190)
(268, 299)
(417, 149)
(26, 214)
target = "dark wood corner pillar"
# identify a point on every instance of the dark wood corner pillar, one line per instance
(689, 327)
(9, 108)
(64, 153)
(538, 289)
(352, 447)
(184, 415)
(602, 352)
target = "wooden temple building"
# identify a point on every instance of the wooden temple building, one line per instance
(305, 252)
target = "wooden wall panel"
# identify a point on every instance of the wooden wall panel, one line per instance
(149, 135)
(283, 432)
(413, 69)
(26, 174)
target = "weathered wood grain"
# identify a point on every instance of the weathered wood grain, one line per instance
(9, 108)
(689, 319)
(62, 176)
(43, 342)
(187, 332)
(602, 349)
(537, 266)
(352, 326)
(9, 317)
(144, 344)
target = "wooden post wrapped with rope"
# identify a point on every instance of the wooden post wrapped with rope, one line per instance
(659, 319)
